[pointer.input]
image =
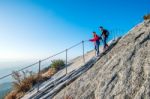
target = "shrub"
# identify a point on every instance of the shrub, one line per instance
(14, 95)
(57, 64)
(146, 17)
(45, 69)
(11, 95)
(50, 72)
(23, 83)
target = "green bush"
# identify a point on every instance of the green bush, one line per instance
(57, 64)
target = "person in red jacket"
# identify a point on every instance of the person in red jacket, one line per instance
(96, 40)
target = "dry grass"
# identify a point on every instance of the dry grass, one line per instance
(26, 84)
(146, 17)
(12, 95)
(22, 84)
(49, 73)
(53, 68)
(26, 80)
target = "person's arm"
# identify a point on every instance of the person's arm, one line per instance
(94, 39)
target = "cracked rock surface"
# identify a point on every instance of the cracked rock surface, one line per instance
(123, 73)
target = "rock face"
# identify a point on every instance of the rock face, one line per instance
(123, 73)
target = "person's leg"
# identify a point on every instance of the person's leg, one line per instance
(95, 50)
(105, 43)
(97, 47)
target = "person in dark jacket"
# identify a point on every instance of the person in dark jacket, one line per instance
(96, 40)
(105, 34)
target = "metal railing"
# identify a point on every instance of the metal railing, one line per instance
(40, 61)
(115, 33)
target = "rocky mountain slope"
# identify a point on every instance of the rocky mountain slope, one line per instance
(123, 73)
(77, 67)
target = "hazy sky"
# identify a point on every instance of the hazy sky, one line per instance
(38, 28)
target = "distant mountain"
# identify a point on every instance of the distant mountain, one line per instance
(4, 89)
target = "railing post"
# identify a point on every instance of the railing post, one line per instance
(66, 59)
(39, 75)
(83, 52)
(66, 62)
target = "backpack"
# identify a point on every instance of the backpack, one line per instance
(106, 33)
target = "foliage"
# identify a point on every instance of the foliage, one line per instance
(58, 64)
(24, 81)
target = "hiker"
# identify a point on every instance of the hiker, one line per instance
(96, 40)
(105, 34)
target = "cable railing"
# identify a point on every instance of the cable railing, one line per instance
(43, 60)
(81, 44)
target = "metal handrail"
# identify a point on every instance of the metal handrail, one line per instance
(42, 60)
(114, 32)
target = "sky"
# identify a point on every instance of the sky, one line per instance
(35, 29)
